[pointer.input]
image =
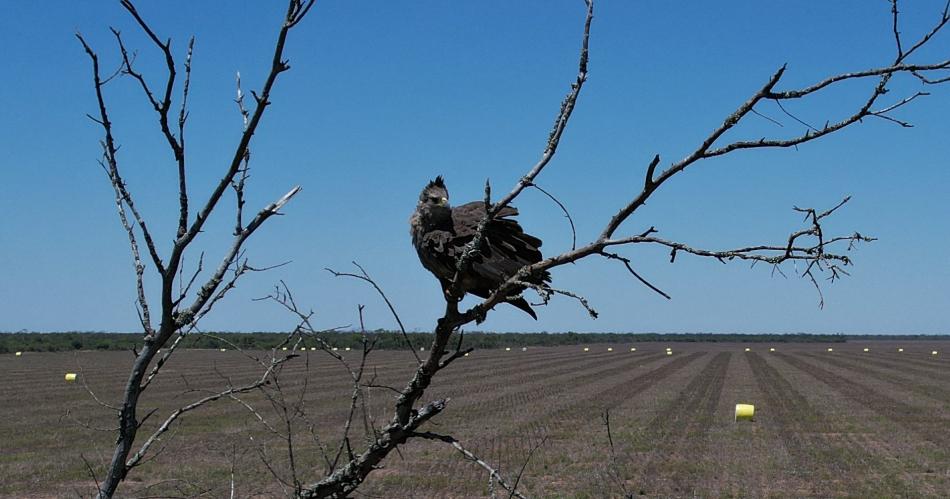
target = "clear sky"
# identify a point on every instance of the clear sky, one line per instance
(384, 95)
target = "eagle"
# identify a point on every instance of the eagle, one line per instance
(440, 233)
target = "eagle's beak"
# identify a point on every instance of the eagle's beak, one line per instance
(443, 201)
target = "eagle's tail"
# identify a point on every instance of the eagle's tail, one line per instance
(523, 305)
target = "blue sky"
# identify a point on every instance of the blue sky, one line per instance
(384, 95)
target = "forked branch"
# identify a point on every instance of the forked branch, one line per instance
(168, 312)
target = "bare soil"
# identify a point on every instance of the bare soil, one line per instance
(845, 423)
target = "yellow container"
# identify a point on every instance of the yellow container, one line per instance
(747, 349)
(867, 349)
(831, 349)
(771, 349)
(70, 377)
(668, 349)
(933, 353)
(610, 349)
(224, 349)
(633, 349)
(668, 352)
(745, 412)
(507, 349)
(285, 348)
(313, 348)
(18, 354)
(900, 349)
(586, 349)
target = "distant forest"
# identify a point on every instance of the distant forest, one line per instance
(55, 342)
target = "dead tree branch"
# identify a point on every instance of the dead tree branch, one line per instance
(363, 276)
(810, 245)
(493, 473)
(176, 318)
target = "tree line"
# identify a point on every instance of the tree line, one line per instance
(391, 340)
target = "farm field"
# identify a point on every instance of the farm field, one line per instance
(827, 424)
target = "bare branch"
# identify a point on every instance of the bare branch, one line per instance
(363, 276)
(944, 18)
(475, 459)
(111, 163)
(173, 319)
(347, 478)
(884, 71)
(82, 377)
(772, 254)
(897, 34)
(546, 292)
(161, 361)
(137, 457)
(295, 13)
(626, 263)
(92, 474)
(560, 124)
(566, 214)
(524, 466)
(209, 288)
(183, 291)
(163, 106)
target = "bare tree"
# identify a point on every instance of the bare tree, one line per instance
(179, 309)
(818, 253)
(810, 246)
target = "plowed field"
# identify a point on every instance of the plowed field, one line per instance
(828, 424)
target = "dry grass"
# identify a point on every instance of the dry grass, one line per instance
(846, 423)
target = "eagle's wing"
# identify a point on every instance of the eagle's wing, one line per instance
(437, 250)
(505, 249)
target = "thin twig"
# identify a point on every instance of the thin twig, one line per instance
(475, 459)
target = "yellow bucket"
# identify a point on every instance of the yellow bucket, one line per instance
(610, 349)
(18, 354)
(313, 348)
(633, 349)
(933, 353)
(747, 349)
(668, 352)
(745, 412)
(900, 349)
(771, 349)
(70, 377)
(831, 349)
(867, 349)
(507, 349)
(586, 349)
(668, 349)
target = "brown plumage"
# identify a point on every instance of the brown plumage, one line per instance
(440, 233)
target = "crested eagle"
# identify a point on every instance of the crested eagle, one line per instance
(440, 233)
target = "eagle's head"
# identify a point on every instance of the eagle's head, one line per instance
(434, 195)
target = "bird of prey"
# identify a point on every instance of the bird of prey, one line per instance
(440, 233)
